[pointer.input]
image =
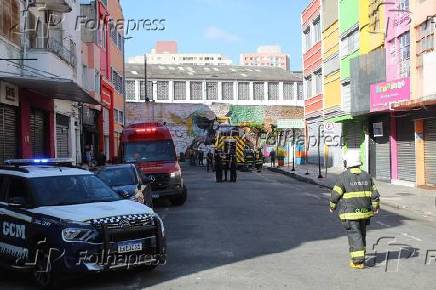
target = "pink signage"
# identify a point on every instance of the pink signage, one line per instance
(382, 94)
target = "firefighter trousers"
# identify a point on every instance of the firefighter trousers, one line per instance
(356, 231)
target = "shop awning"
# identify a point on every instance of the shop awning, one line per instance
(53, 88)
(339, 119)
(415, 103)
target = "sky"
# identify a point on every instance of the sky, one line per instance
(229, 27)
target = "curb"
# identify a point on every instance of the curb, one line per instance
(394, 205)
(299, 177)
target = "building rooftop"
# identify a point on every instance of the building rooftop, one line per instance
(212, 72)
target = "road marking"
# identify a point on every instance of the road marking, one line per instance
(410, 236)
(382, 224)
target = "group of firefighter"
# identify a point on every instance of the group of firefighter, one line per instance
(218, 161)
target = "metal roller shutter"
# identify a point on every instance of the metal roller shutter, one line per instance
(62, 136)
(380, 159)
(37, 133)
(8, 133)
(406, 149)
(430, 151)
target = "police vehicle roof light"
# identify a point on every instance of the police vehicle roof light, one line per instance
(44, 161)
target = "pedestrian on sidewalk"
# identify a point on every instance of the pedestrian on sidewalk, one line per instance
(218, 167)
(272, 156)
(357, 200)
(233, 168)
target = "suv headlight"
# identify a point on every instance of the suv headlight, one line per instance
(160, 223)
(79, 235)
(176, 174)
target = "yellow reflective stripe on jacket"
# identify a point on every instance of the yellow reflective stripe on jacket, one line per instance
(374, 188)
(338, 190)
(354, 194)
(357, 254)
(356, 215)
(375, 204)
(356, 170)
(332, 205)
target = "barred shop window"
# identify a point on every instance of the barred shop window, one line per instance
(273, 91)
(212, 91)
(10, 20)
(259, 91)
(288, 91)
(196, 91)
(244, 91)
(162, 90)
(227, 91)
(179, 90)
(130, 90)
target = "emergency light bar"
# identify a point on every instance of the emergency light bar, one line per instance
(67, 162)
(145, 130)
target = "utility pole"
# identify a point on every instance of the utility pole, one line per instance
(319, 151)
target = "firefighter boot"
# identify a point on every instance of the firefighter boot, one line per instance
(357, 266)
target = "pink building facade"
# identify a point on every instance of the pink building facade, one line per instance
(268, 56)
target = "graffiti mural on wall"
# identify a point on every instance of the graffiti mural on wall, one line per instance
(195, 121)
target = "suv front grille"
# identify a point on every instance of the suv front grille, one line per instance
(123, 222)
(162, 180)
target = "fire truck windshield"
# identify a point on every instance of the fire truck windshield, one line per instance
(151, 151)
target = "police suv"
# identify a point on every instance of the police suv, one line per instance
(58, 219)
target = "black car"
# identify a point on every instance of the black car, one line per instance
(128, 182)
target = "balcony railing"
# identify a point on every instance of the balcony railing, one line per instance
(58, 48)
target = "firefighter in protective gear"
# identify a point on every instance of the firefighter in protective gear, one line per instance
(357, 200)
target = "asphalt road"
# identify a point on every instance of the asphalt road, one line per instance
(269, 231)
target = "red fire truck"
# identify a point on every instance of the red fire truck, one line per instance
(151, 147)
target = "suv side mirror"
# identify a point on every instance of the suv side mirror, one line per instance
(17, 201)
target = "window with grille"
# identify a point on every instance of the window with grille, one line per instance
(227, 91)
(212, 91)
(130, 90)
(300, 95)
(162, 90)
(244, 91)
(196, 91)
(273, 91)
(142, 90)
(331, 65)
(150, 90)
(179, 90)
(288, 91)
(259, 91)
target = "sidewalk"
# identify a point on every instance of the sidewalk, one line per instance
(421, 201)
